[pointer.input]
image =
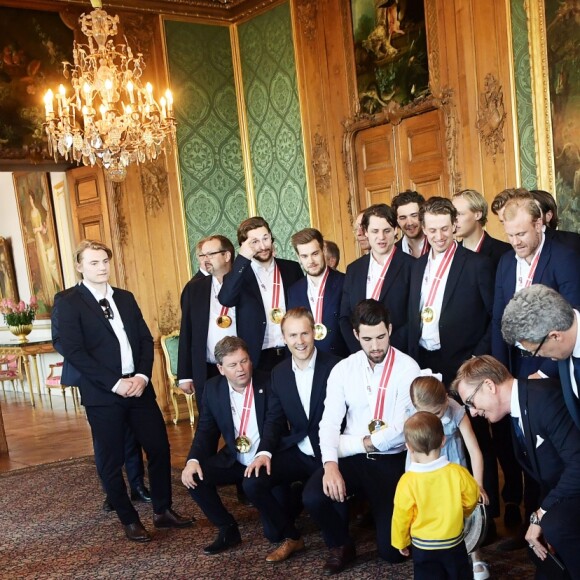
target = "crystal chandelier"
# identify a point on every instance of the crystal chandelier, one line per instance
(109, 118)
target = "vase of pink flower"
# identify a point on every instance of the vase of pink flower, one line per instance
(19, 316)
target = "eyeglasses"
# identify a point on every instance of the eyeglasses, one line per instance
(528, 354)
(211, 254)
(469, 401)
(108, 311)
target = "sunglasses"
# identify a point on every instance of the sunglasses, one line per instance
(108, 311)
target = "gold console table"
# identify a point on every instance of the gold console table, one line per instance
(29, 350)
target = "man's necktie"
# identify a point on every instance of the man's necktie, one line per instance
(521, 440)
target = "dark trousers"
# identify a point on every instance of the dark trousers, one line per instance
(133, 459)
(108, 425)
(450, 564)
(375, 477)
(287, 467)
(562, 531)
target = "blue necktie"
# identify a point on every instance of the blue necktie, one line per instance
(521, 440)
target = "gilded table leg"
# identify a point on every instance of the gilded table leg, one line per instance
(37, 376)
(27, 372)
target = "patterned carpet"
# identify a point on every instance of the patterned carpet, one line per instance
(52, 526)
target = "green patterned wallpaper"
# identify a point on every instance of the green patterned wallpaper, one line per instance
(528, 169)
(208, 136)
(273, 112)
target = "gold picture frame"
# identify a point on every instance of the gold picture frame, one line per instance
(8, 286)
(34, 202)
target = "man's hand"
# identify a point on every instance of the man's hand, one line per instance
(483, 496)
(137, 387)
(249, 248)
(259, 462)
(186, 387)
(123, 388)
(534, 539)
(192, 468)
(332, 482)
(405, 551)
(368, 443)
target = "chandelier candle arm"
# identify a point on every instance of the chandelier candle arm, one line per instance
(110, 119)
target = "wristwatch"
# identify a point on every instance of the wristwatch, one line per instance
(534, 519)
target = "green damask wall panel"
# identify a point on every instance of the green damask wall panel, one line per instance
(275, 131)
(208, 135)
(528, 168)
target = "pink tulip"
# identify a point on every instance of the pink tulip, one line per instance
(21, 306)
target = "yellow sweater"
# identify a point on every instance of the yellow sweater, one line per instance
(431, 502)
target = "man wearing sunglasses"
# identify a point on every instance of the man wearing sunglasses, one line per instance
(104, 336)
(546, 443)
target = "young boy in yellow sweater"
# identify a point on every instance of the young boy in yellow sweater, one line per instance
(432, 499)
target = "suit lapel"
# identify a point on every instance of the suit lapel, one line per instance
(543, 261)
(454, 275)
(318, 386)
(225, 407)
(567, 391)
(391, 274)
(260, 405)
(528, 433)
(93, 305)
(360, 278)
(329, 295)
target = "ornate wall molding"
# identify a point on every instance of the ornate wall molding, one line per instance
(307, 13)
(169, 318)
(433, 43)
(491, 116)
(321, 164)
(155, 185)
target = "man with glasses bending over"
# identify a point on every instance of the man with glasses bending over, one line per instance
(546, 444)
(257, 287)
(104, 336)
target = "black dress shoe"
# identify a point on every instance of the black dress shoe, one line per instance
(140, 493)
(227, 538)
(339, 559)
(170, 519)
(108, 506)
(137, 533)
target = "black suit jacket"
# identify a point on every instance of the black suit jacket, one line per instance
(552, 440)
(240, 289)
(493, 249)
(394, 295)
(192, 354)
(69, 376)
(572, 401)
(465, 322)
(285, 408)
(569, 239)
(298, 296)
(216, 421)
(557, 268)
(89, 343)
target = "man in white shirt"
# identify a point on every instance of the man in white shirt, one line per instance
(368, 392)
(234, 407)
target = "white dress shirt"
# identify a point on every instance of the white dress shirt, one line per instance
(252, 432)
(523, 268)
(304, 378)
(515, 409)
(214, 332)
(575, 354)
(374, 273)
(265, 279)
(351, 390)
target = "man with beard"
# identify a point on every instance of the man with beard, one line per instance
(361, 437)
(406, 206)
(257, 287)
(320, 291)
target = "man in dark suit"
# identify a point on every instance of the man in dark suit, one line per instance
(406, 206)
(104, 336)
(204, 321)
(234, 408)
(383, 274)
(133, 452)
(546, 325)
(296, 400)
(257, 287)
(320, 291)
(546, 443)
(471, 209)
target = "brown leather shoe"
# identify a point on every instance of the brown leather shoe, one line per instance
(285, 550)
(338, 559)
(170, 519)
(136, 532)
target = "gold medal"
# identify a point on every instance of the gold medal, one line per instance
(320, 331)
(243, 444)
(223, 321)
(427, 314)
(276, 315)
(376, 425)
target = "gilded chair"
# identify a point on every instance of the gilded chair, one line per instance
(53, 381)
(11, 370)
(170, 346)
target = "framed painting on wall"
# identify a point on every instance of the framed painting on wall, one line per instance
(33, 199)
(8, 287)
(390, 47)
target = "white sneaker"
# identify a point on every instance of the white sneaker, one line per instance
(484, 574)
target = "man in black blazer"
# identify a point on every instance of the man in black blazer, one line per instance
(320, 291)
(104, 336)
(204, 321)
(472, 210)
(546, 325)
(367, 278)
(546, 443)
(234, 408)
(257, 287)
(406, 206)
(296, 400)
(133, 452)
